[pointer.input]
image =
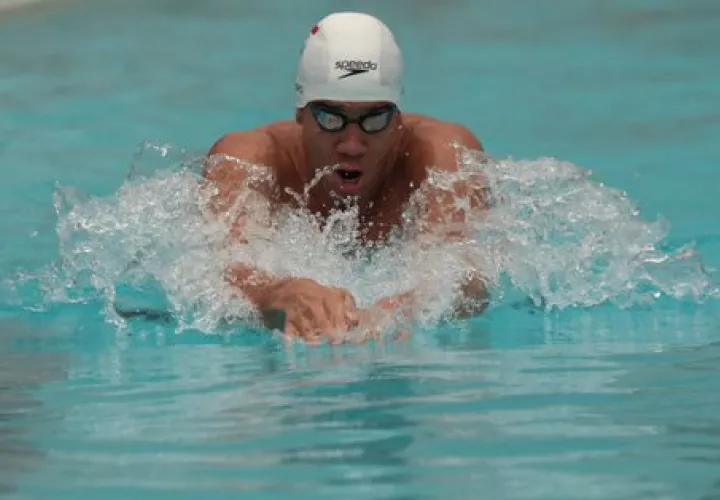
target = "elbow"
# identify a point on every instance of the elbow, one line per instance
(473, 298)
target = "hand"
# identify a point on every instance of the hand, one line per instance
(388, 317)
(402, 304)
(304, 308)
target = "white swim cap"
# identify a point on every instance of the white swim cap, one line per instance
(349, 56)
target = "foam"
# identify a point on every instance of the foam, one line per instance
(554, 237)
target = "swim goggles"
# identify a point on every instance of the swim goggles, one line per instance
(331, 119)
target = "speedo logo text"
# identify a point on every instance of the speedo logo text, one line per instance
(355, 67)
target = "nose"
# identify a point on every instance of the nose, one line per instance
(352, 143)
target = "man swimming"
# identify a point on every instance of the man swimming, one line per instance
(348, 89)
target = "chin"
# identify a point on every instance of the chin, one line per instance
(347, 196)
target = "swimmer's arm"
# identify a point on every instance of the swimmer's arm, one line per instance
(228, 177)
(226, 167)
(444, 220)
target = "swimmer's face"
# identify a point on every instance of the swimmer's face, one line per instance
(357, 137)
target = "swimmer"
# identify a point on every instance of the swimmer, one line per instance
(348, 90)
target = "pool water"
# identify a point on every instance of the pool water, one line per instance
(601, 382)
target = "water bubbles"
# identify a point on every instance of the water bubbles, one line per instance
(551, 234)
(571, 242)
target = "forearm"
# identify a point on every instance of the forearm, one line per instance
(472, 299)
(296, 306)
(252, 282)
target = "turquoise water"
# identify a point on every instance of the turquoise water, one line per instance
(612, 393)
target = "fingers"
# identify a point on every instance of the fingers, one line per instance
(352, 319)
(291, 330)
(369, 333)
(309, 321)
(314, 332)
(346, 297)
(338, 317)
(352, 314)
(299, 329)
(330, 315)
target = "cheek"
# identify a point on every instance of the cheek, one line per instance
(381, 145)
(321, 145)
(313, 139)
(319, 149)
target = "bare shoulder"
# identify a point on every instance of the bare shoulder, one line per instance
(259, 146)
(434, 147)
(253, 159)
(265, 147)
(433, 143)
(438, 133)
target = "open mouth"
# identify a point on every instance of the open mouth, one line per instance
(349, 175)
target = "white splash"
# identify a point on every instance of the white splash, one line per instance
(552, 234)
